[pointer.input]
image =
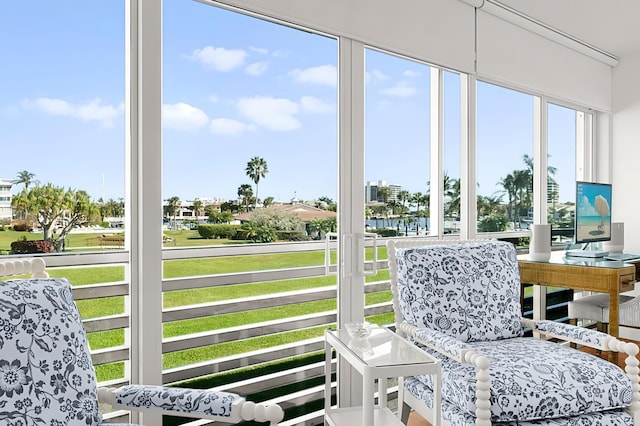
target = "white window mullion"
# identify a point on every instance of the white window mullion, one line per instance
(468, 158)
(144, 191)
(351, 203)
(540, 151)
(436, 186)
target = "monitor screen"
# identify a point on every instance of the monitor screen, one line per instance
(593, 212)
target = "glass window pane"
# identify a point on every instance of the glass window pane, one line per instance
(504, 158)
(62, 123)
(397, 144)
(561, 177)
(249, 158)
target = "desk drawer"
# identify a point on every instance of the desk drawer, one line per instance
(626, 282)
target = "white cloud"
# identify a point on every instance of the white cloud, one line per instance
(411, 73)
(227, 126)
(257, 68)
(260, 50)
(401, 89)
(183, 117)
(316, 106)
(326, 75)
(93, 110)
(219, 58)
(271, 113)
(376, 75)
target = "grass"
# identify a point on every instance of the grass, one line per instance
(94, 308)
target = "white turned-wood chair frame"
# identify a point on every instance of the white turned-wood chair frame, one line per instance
(242, 410)
(469, 356)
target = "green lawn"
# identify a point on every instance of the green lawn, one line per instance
(193, 267)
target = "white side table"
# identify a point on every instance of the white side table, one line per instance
(382, 355)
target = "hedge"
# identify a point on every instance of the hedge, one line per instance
(28, 247)
(218, 231)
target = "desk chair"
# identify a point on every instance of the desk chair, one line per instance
(596, 308)
(46, 372)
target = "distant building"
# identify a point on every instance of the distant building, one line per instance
(553, 191)
(373, 195)
(5, 200)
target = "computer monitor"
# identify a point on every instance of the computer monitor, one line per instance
(593, 217)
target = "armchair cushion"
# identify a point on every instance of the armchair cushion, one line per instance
(468, 291)
(535, 379)
(45, 358)
(457, 417)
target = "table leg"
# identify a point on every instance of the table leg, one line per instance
(327, 376)
(437, 397)
(368, 390)
(382, 392)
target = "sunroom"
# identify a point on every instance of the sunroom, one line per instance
(438, 118)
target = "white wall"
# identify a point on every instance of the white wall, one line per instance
(626, 148)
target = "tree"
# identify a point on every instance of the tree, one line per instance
(26, 178)
(384, 192)
(268, 201)
(256, 169)
(246, 195)
(172, 207)
(196, 208)
(57, 208)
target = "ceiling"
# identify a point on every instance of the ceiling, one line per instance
(610, 25)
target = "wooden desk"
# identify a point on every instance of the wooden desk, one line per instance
(588, 274)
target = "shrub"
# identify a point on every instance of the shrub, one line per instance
(20, 226)
(386, 232)
(218, 231)
(28, 247)
(292, 236)
(266, 234)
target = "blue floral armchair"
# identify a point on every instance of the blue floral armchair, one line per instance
(46, 374)
(461, 303)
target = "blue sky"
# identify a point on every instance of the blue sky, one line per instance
(234, 87)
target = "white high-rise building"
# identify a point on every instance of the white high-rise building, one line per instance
(5, 200)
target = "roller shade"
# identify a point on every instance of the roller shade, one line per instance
(437, 31)
(515, 56)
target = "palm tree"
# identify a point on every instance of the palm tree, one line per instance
(508, 184)
(197, 208)
(256, 169)
(246, 194)
(172, 206)
(384, 193)
(26, 178)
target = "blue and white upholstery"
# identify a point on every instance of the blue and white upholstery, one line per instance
(461, 303)
(47, 376)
